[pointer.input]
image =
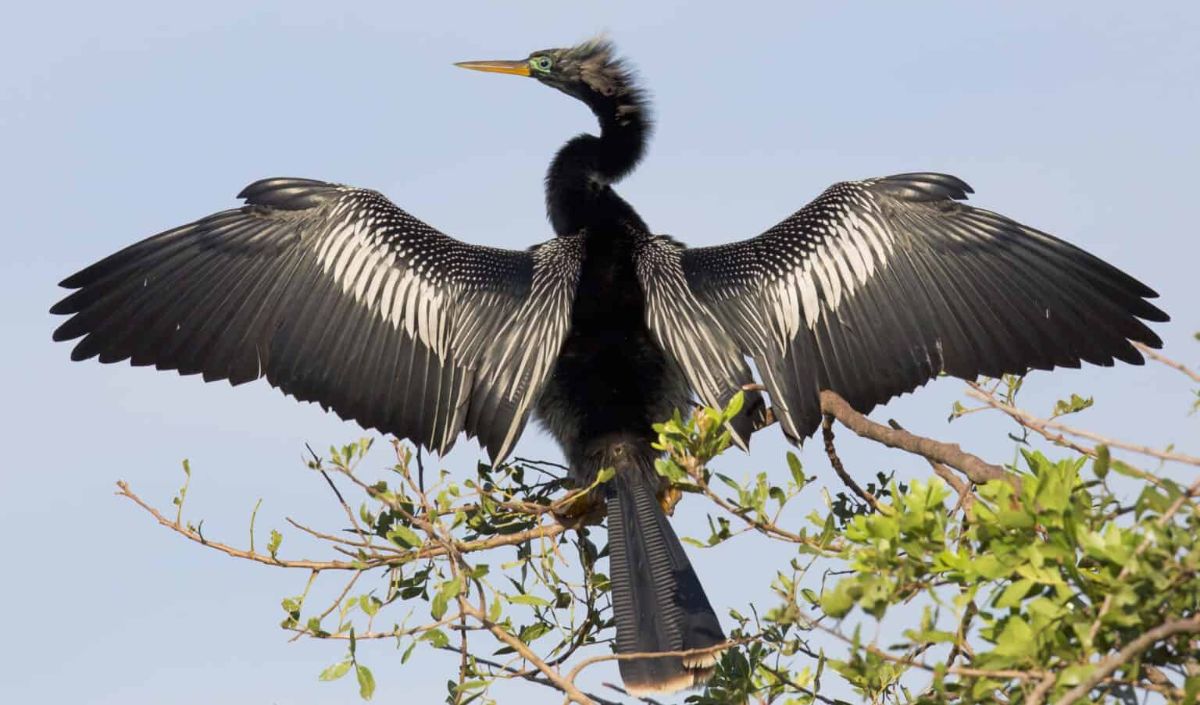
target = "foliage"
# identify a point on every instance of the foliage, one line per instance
(1073, 577)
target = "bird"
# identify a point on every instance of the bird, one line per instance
(337, 296)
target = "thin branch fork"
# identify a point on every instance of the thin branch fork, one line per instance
(1192, 491)
(1043, 425)
(836, 462)
(566, 685)
(124, 491)
(542, 531)
(949, 454)
(1105, 668)
(1159, 357)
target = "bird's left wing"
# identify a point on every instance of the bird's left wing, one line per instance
(337, 296)
(876, 287)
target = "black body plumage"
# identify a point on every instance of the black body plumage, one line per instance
(336, 295)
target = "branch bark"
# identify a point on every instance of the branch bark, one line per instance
(1045, 426)
(1106, 667)
(950, 454)
(543, 531)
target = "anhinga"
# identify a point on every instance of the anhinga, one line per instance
(337, 296)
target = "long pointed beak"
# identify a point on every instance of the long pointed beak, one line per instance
(517, 68)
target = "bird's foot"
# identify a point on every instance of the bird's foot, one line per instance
(576, 511)
(668, 497)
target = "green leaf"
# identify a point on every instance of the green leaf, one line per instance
(370, 604)
(838, 601)
(533, 631)
(1073, 405)
(1103, 460)
(796, 469)
(730, 482)
(1016, 640)
(403, 536)
(335, 671)
(273, 544)
(448, 591)
(734, 407)
(366, 682)
(605, 475)
(436, 637)
(529, 600)
(1014, 593)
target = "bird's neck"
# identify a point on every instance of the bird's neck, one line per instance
(578, 181)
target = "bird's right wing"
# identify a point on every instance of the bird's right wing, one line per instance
(337, 296)
(878, 286)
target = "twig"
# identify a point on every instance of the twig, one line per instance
(349, 513)
(566, 685)
(124, 491)
(333, 538)
(1038, 695)
(542, 531)
(1106, 667)
(626, 693)
(1192, 491)
(1030, 421)
(341, 596)
(966, 496)
(801, 689)
(977, 470)
(532, 677)
(836, 462)
(1159, 357)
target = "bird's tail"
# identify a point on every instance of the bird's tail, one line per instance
(657, 598)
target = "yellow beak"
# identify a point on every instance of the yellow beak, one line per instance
(517, 68)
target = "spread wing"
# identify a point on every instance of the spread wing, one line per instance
(879, 285)
(337, 296)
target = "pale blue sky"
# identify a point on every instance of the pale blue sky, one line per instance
(121, 119)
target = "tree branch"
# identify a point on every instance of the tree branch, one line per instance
(1106, 667)
(1042, 425)
(1159, 357)
(976, 469)
(542, 531)
(566, 685)
(836, 462)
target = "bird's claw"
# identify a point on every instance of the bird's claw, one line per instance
(668, 498)
(582, 510)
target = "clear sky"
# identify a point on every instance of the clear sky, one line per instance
(121, 119)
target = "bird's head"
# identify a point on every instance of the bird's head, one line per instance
(590, 72)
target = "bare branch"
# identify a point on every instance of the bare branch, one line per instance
(1159, 357)
(836, 462)
(1030, 421)
(977, 470)
(542, 531)
(566, 685)
(124, 491)
(966, 496)
(1106, 667)
(1182, 499)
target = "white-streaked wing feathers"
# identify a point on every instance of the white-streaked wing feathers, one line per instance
(338, 296)
(879, 285)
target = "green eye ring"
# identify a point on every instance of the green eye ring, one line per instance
(541, 63)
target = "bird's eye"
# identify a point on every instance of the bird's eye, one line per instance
(541, 63)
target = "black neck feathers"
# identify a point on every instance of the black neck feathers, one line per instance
(579, 179)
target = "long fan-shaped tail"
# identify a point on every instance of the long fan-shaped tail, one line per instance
(657, 598)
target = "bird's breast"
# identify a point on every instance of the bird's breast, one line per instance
(611, 375)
